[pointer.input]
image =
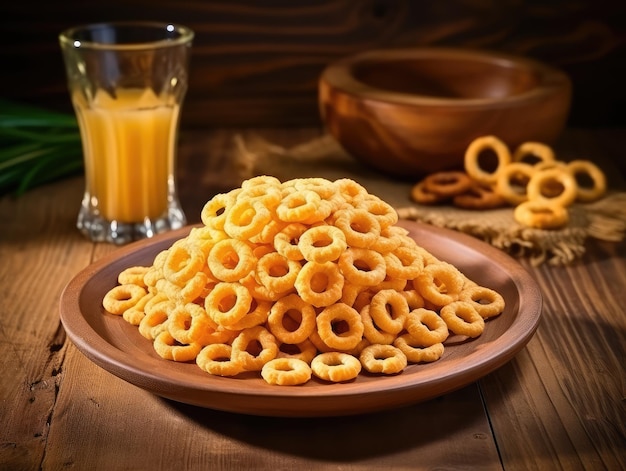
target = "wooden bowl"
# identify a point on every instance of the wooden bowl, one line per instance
(411, 112)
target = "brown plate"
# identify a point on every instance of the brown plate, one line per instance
(117, 346)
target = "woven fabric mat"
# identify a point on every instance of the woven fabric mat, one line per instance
(323, 157)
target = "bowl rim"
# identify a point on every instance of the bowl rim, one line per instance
(339, 76)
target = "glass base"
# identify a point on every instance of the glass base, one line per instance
(98, 229)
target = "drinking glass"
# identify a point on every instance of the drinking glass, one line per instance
(127, 82)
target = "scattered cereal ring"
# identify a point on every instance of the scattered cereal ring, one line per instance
(231, 260)
(385, 359)
(532, 153)
(463, 319)
(216, 360)
(472, 159)
(372, 332)
(246, 219)
(228, 303)
(277, 273)
(167, 347)
(426, 327)
(133, 276)
(322, 243)
(362, 267)
(388, 310)
(582, 169)
(320, 284)
(513, 180)
(245, 346)
(122, 297)
(549, 179)
(301, 313)
(541, 214)
(286, 371)
(487, 302)
(335, 366)
(447, 184)
(330, 317)
(479, 196)
(360, 227)
(416, 352)
(439, 283)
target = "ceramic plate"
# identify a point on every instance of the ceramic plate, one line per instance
(117, 346)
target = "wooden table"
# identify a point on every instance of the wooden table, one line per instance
(559, 404)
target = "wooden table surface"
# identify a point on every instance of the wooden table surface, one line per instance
(559, 404)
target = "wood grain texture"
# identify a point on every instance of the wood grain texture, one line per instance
(258, 64)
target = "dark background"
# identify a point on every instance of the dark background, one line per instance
(257, 62)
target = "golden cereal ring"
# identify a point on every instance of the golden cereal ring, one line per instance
(388, 310)
(257, 315)
(417, 353)
(286, 241)
(214, 211)
(421, 195)
(472, 157)
(246, 219)
(231, 260)
(303, 206)
(404, 262)
(426, 327)
(193, 289)
(182, 263)
(584, 168)
(277, 273)
(286, 371)
(372, 332)
(349, 189)
(189, 323)
(249, 339)
(333, 315)
(385, 359)
(487, 302)
(258, 290)
(294, 308)
(463, 319)
(228, 303)
(540, 187)
(156, 319)
(320, 284)
(304, 351)
(335, 366)
(133, 276)
(447, 184)
(413, 299)
(167, 347)
(216, 360)
(327, 190)
(122, 297)
(513, 180)
(362, 267)
(322, 244)
(440, 283)
(479, 196)
(385, 213)
(134, 315)
(388, 241)
(541, 215)
(533, 152)
(360, 227)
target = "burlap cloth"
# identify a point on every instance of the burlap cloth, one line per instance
(323, 157)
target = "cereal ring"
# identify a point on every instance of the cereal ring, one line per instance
(404, 262)
(479, 196)
(304, 351)
(246, 219)
(532, 153)
(246, 344)
(487, 302)
(388, 310)
(320, 284)
(277, 273)
(193, 289)
(383, 211)
(413, 299)
(189, 323)
(541, 215)
(321, 186)
(231, 260)
(463, 319)
(331, 318)
(417, 353)
(362, 267)
(472, 158)
(349, 189)
(294, 308)
(122, 297)
(421, 195)
(447, 184)
(155, 320)
(426, 327)
(214, 211)
(182, 263)
(286, 371)
(216, 360)
(257, 315)
(513, 180)
(228, 303)
(385, 359)
(322, 243)
(583, 170)
(548, 179)
(286, 241)
(167, 347)
(360, 227)
(133, 276)
(371, 332)
(335, 366)
(439, 283)
(137, 312)
(388, 241)
(303, 206)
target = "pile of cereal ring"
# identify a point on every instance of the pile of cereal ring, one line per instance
(300, 278)
(541, 191)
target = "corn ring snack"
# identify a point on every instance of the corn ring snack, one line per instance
(306, 206)
(386, 214)
(415, 352)
(513, 180)
(248, 339)
(182, 263)
(541, 214)
(549, 179)
(167, 347)
(388, 309)
(388, 241)
(246, 219)
(404, 263)
(472, 159)
(286, 371)
(333, 315)
(322, 244)
(463, 319)
(133, 276)
(189, 323)
(426, 327)
(155, 320)
(421, 195)
(487, 302)
(122, 297)
(304, 351)
(372, 332)
(439, 283)
(585, 168)
(214, 211)
(228, 303)
(413, 299)
(385, 359)
(532, 153)
(320, 284)
(286, 241)
(231, 260)
(134, 314)
(360, 227)
(350, 190)
(301, 313)
(480, 196)
(335, 366)
(257, 315)
(216, 360)
(447, 184)
(362, 267)
(277, 273)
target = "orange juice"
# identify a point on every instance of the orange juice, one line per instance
(128, 145)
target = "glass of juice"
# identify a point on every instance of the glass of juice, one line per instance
(127, 82)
